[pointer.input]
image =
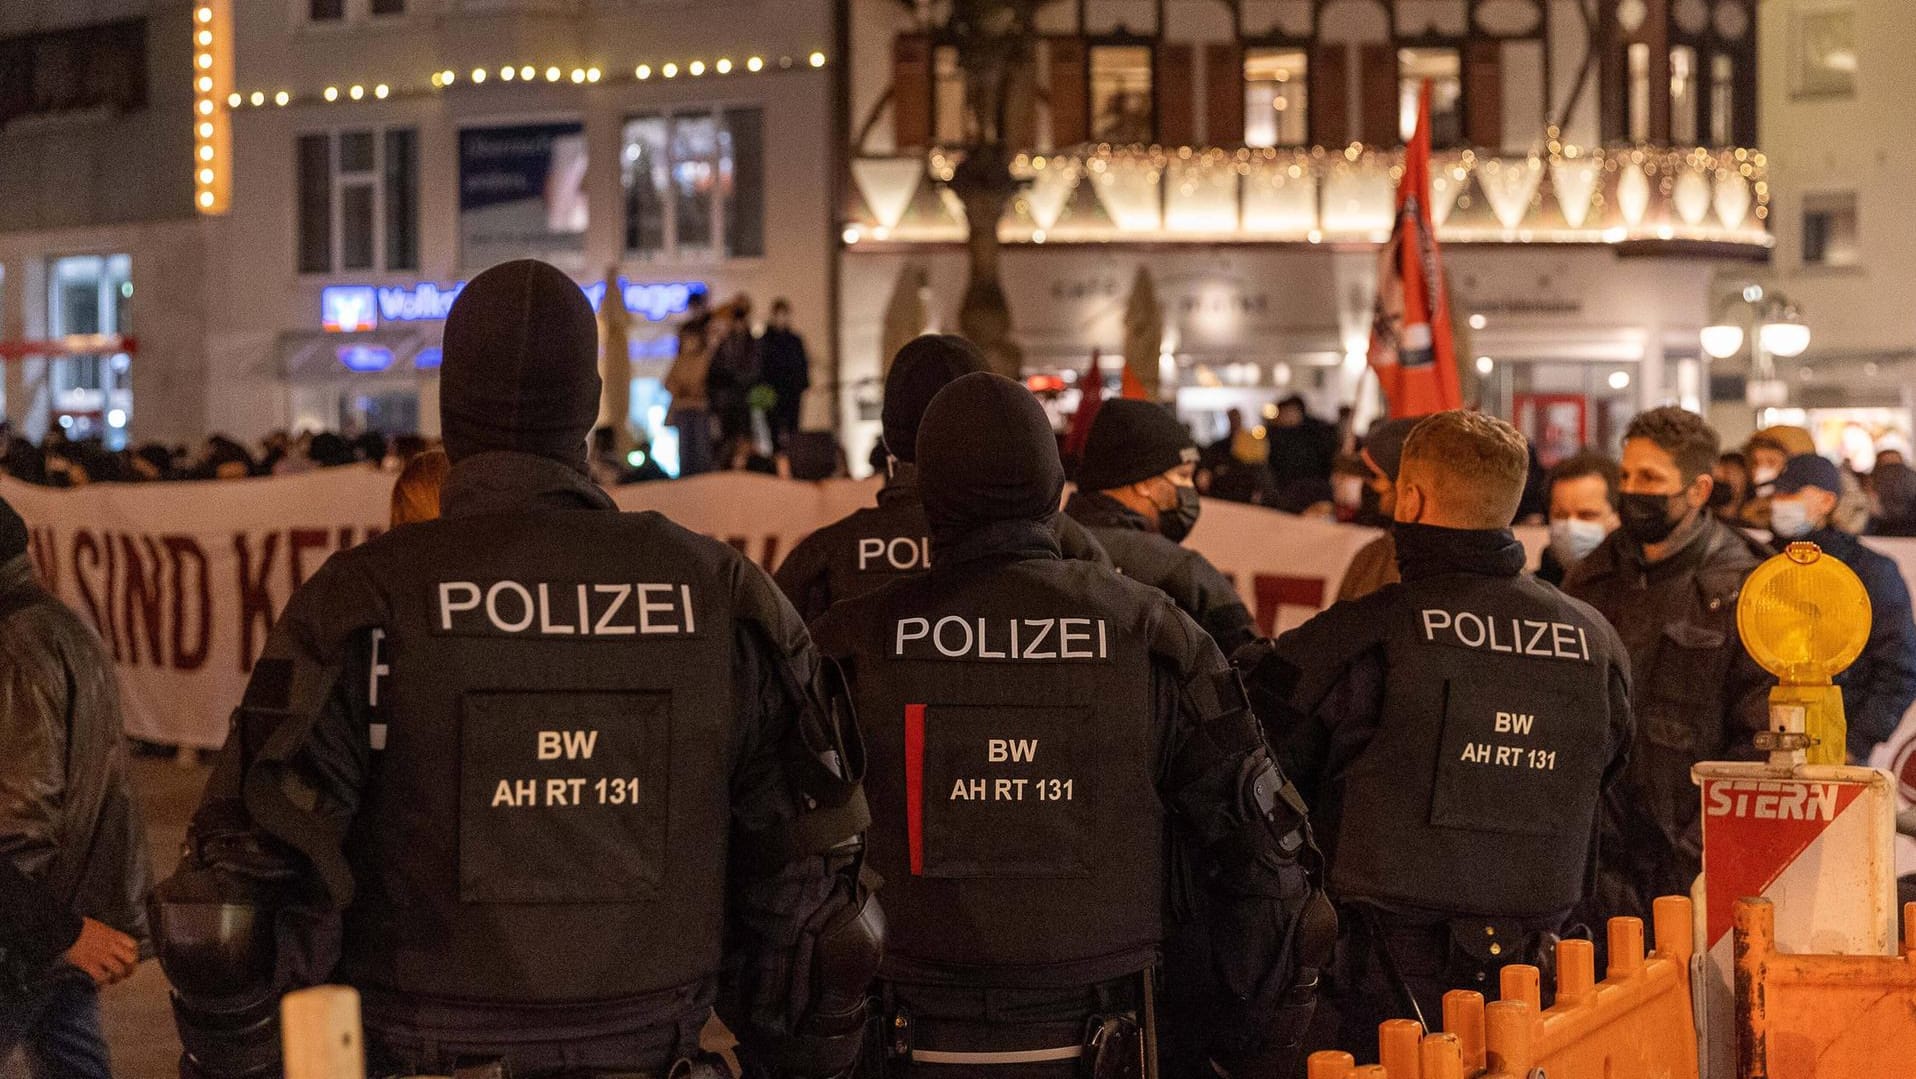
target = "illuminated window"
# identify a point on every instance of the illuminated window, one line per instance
(947, 96)
(90, 294)
(1275, 97)
(695, 184)
(1722, 100)
(1122, 109)
(358, 201)
(1444, 69)
(1826, 53)
(1683, 95)
(1639, 92)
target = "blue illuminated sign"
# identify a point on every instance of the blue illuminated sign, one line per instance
(428, 358)
(358, 308)
(364, 358)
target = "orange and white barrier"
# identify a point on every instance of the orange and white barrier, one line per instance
(1811, 1016)
(1635, 1024)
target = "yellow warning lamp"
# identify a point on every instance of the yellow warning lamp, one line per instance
(1805, 617)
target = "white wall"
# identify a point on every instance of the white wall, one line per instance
(1862, 144)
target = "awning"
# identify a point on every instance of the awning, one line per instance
(399, 354)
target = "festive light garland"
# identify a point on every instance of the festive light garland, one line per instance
(1151, 188)
(550, 74)
(212, 81)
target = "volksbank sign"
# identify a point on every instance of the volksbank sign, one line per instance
(358, 308)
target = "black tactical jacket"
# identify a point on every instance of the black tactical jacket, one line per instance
(1143, 555)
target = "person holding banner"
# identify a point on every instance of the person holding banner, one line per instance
(450, 779)
(878, 544)
(1455, 733)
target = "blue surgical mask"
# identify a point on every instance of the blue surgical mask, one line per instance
(1572, 540)
(1789, 519)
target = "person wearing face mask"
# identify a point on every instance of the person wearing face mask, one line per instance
(1138, 496)
(1453, 733)
(1668, 580)
(1583, 511)
(1880, 686)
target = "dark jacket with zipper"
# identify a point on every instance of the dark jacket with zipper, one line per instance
(1143, 555)
(1697, 695)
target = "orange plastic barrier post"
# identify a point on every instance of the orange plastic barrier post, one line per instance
(1441, 1057)
(1814, 1016)
(1464, 1017)
(1330, 1064)
(1397, 1046)
(1635, 1024)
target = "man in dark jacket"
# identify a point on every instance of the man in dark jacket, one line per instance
(878, 544)
(786, 368)
(1137, 494)
(71, 842)
(1452, 734)
(543, 781)
(1880, 686)
(1668, 580)
(1042, 731)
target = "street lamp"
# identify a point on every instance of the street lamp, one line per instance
(1773, 326)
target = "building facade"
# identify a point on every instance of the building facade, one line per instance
(384, 151)
(1234, 164)
(101, 253)
(278, 201)
(1835, 118)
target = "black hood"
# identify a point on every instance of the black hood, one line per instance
(520, 370)
(986, 454)
(924, 366)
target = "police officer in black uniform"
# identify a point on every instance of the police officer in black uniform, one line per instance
(542, 780)
(1137, 494)
(1041, 731)
(1454, 733)
(876, 545)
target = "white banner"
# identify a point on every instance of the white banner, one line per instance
(183, 580)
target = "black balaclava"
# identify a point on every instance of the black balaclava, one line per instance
(986, 454)
(923, 367)
(13, 534)
(521, 365)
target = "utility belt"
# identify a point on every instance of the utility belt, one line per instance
(1106, 1031)
(1466, 952)
(700, 1066)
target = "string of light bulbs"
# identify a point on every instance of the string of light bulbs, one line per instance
(550, 74)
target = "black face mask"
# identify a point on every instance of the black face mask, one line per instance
(1177, 522)
(1652, 518)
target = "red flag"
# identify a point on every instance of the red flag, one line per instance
(1090, 397)
(1131, 387)
(1410, 343)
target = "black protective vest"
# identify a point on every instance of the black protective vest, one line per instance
(1479, 792)
(1013, 745)
(548, 817)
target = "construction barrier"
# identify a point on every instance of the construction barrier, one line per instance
(1635, 1024)
(320, 1035)
(1808, 1016)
